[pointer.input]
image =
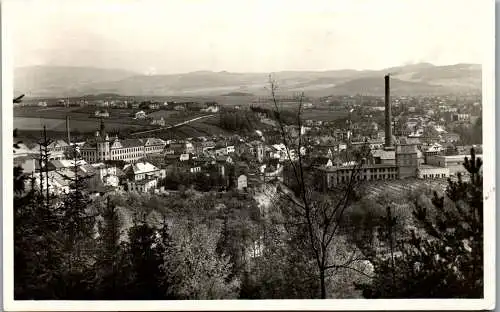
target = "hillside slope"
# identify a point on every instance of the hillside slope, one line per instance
(416, 79)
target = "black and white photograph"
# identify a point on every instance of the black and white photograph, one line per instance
(235, 155)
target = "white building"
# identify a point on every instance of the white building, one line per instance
(101, 113)
(242, 182)
(107, 174)
(102, 147)
(140, 115)
(432, 172)
(143, 176)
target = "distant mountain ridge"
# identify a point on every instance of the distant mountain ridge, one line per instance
(414, 79)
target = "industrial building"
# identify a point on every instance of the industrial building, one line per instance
(396, 160)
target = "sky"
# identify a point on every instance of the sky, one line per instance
(175, 36)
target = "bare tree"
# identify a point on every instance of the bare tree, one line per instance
(319, 215)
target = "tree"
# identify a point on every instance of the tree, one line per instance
(316, 215)
(37, 250)
(77, 236)
(108, 263)
(144, 263)
(197, 271)
(478, 131)
(238, 234)
(443, 256)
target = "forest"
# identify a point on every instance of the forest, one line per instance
(238, 121)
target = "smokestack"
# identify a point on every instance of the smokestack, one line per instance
(67, 130)
(388, 114)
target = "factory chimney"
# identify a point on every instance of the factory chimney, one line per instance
(388, 115)
(67, 130)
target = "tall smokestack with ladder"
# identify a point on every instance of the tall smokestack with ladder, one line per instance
(388, 114)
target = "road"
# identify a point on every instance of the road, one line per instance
(176, 125)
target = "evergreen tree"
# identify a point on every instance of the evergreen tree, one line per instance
(443, 258)
(77, 233)
(145, 260)
(108, 265)
(36, 241)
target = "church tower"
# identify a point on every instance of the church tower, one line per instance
(103, 144)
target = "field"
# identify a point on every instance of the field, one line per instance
(203, 127)
(80, 126)
(82, 120)
(324, 114)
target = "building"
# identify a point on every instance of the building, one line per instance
(432, 172)
(140, 115)
(107, 174)
(450, 137)
(57, 183)
(154, 106)
(101, 148)
(339, 175)
(461, 117)
(142, 170)
(62, 164)
(159, 122)
(142, 176)
(373, 144)
(154, 146)
(453, 163)
(184, 157)
(242, 182)
(143, 186)
(28, 163)
(383, 157)
(212, 107)
(407, 160)
(101, 114)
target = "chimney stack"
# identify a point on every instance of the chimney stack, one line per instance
(67, 129)
(388, 115)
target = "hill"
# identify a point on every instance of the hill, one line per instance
(238, 94)
(415, 79)
(62, 80)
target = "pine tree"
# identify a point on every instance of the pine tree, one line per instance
(166, 250)
(109, 254)
(443, 258)
(145, 262)
(36, 241)
(77, 233)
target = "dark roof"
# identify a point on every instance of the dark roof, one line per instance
(22, 159)
(367, 166)
(318, 161)
(406, 149)
(131, 143)
(221, 158)
(91, 143)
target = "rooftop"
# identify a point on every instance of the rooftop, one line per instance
(366, 166)
(141, 167)
(382, 154)
(131, 143)
(423, 166)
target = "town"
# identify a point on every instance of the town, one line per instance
(178, 155)
(410, 139)
(241, 183)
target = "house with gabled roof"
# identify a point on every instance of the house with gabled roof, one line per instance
(154, 145)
